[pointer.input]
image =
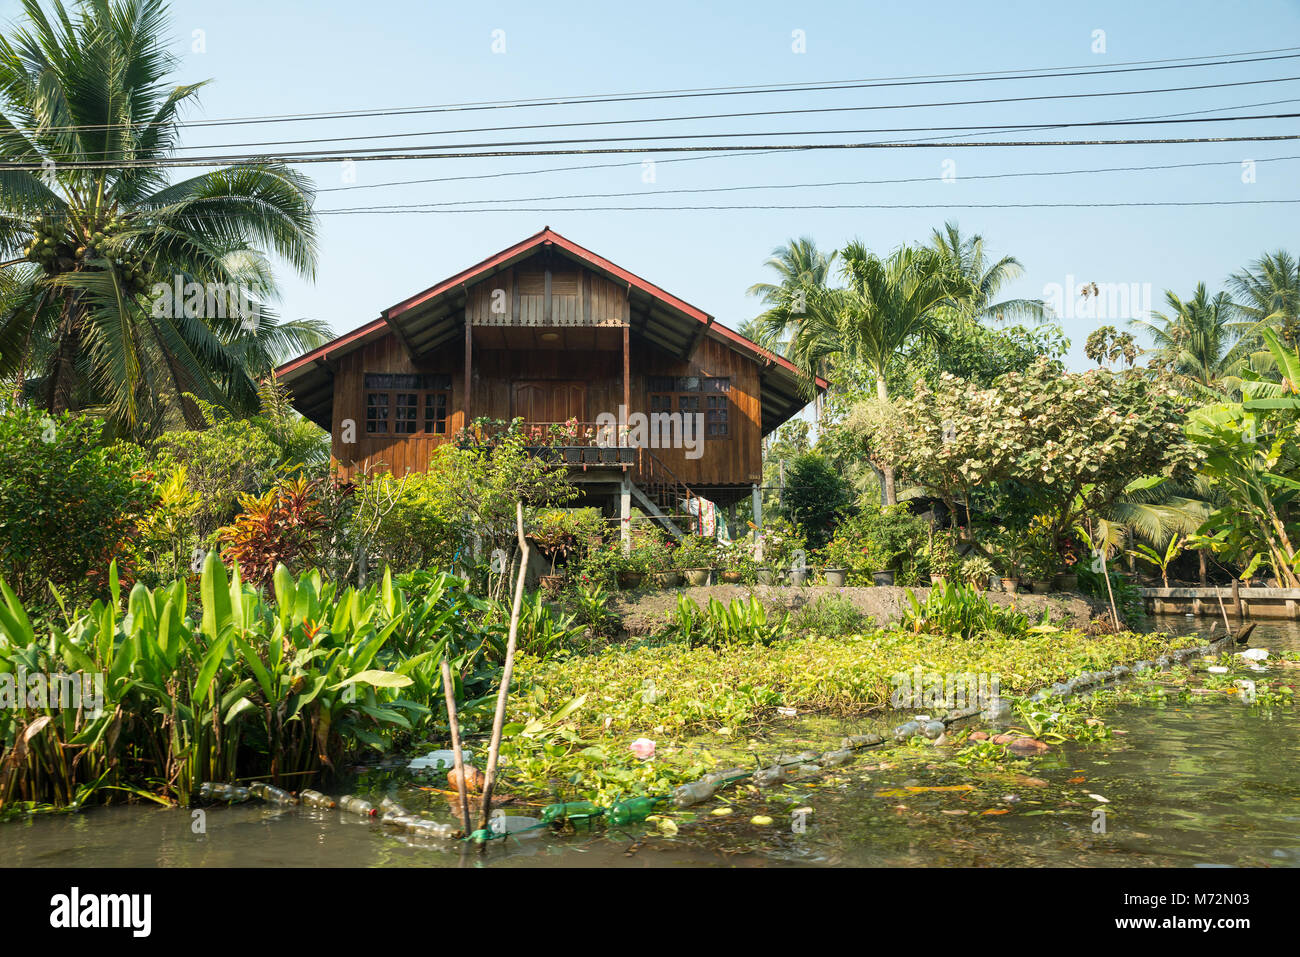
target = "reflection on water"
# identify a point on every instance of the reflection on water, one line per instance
(1206, 783)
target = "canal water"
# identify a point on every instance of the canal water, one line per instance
(1193, 778)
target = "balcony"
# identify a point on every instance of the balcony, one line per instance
(572, 443)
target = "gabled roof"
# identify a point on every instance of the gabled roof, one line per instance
(434, 318)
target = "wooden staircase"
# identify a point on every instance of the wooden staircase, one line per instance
(662, 495)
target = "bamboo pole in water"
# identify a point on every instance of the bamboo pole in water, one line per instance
(461, 785)
(490, 773)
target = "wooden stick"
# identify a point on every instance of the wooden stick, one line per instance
(461, 784)
(490, 774)
(1226, 629)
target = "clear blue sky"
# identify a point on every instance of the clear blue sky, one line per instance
(274, 57)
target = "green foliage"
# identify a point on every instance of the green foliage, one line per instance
(742, 622)
(696, 551)
(227, 459)
(1071, 442)
(98, 249)
(69, 504)
(962, 612)
(237, 685)
(591, 604)
(829, 615)
(463, 506)
(815, 497)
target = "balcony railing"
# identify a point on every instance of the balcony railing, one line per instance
(574, 443)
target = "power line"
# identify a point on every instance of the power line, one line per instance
(858, 182)
(690, 159)
(486, 150)
(1035, 73)
(728, 116)
(811, 206)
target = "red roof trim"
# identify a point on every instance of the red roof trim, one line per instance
(544, 237)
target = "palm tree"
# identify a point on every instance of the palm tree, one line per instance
(803, 272)
(93, 236)
(887, 303)
(1200, 339)
(966, 255)
(1268, 292)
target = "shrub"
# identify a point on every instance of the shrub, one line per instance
(830, 615)
(815, 496)
(238, 685)
(743, 622)
(282, 527)
(69, 504)
(961, 612)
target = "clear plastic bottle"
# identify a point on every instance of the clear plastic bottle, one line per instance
(398, 819)
(357, 805)
(833, 759)
(726, 776)
(694, 793)
(215, 791)
(766, 777)
(388, 804)
(438, 829)
(272, 794)
(315, 799)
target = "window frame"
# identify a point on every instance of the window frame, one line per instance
(697, 390)
(426, 386)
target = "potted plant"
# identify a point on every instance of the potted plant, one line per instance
(976, 571)
(836, 560)
(695, 558)
(1007, 553)
(783, 548)
(941, 555)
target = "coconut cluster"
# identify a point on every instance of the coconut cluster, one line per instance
(57, 248)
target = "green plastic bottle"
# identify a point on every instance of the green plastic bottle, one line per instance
(570, 810)
(631, 810)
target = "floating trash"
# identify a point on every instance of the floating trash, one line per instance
(437, 760)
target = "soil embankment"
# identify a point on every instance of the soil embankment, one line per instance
(646, 611)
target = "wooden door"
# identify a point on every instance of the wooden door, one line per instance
(549, 400)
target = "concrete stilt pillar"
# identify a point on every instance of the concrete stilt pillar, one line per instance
(625, 515)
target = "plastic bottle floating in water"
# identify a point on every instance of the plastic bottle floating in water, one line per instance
(696, 792)
(517, 824)
(423, 828)
(631, 810)
(315, 799)
(215, 791)
(358, 806)
(272, 794)
(570, 811)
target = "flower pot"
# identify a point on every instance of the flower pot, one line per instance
(573, 455)
(669, 579)
(630, 579)
(1067, 581)
(697, 576)
(765, 576)
(552, 584)
(836, 577)
(1010, 585)
(1040, 588)
(883, 578)
(798, 576)
(731, 577)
